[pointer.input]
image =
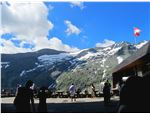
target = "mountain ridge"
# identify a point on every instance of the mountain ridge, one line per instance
(58, 69)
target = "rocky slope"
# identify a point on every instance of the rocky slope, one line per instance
(57, 69)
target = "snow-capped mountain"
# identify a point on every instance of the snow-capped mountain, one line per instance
(58, 69)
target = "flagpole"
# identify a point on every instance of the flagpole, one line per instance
(135, 40)
(136, 34)
(135, 68)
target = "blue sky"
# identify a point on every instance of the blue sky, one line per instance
(100, 21)
(95, 22)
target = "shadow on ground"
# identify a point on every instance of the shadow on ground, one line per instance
(76, 107)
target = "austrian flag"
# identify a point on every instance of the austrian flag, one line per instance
(137, 32)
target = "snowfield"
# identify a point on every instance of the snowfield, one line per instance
(120, 59)
(141, 44)
(51, 59)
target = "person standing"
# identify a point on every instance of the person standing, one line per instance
(106, 92)
(72, 91)
(23, 98)
(18, 85)
(132, 96)
(93, 90)
(42, 95)
(78, 92)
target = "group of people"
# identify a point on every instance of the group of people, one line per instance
(25, 94)
(134, 95)
(106, 92)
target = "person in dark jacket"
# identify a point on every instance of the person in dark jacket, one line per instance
(106, 92)
(42, 95)
(131, 95)
(23, 98)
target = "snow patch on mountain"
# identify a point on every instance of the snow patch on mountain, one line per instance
(40, 66)
(52, 86)
(114, 50)
(31, 70)
(141, 44)
(104, 73)
(73, 62)
(91, 55)
(107, 48)
(87, 56)
(55, 73)
(22, 73)
(36, 63)
(5, 64)
(120, 59)
(51, 59)
(103, 62)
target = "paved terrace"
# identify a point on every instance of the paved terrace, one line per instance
(64, 105)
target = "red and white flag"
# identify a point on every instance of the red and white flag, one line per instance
(136, 32)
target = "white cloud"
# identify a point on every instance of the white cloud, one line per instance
(72, 29)
(54, 43)
(77, 4)
(29, 23)
(8, 46)
(105, 43)
(57, 44)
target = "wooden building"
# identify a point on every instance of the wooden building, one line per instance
(137, 64)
